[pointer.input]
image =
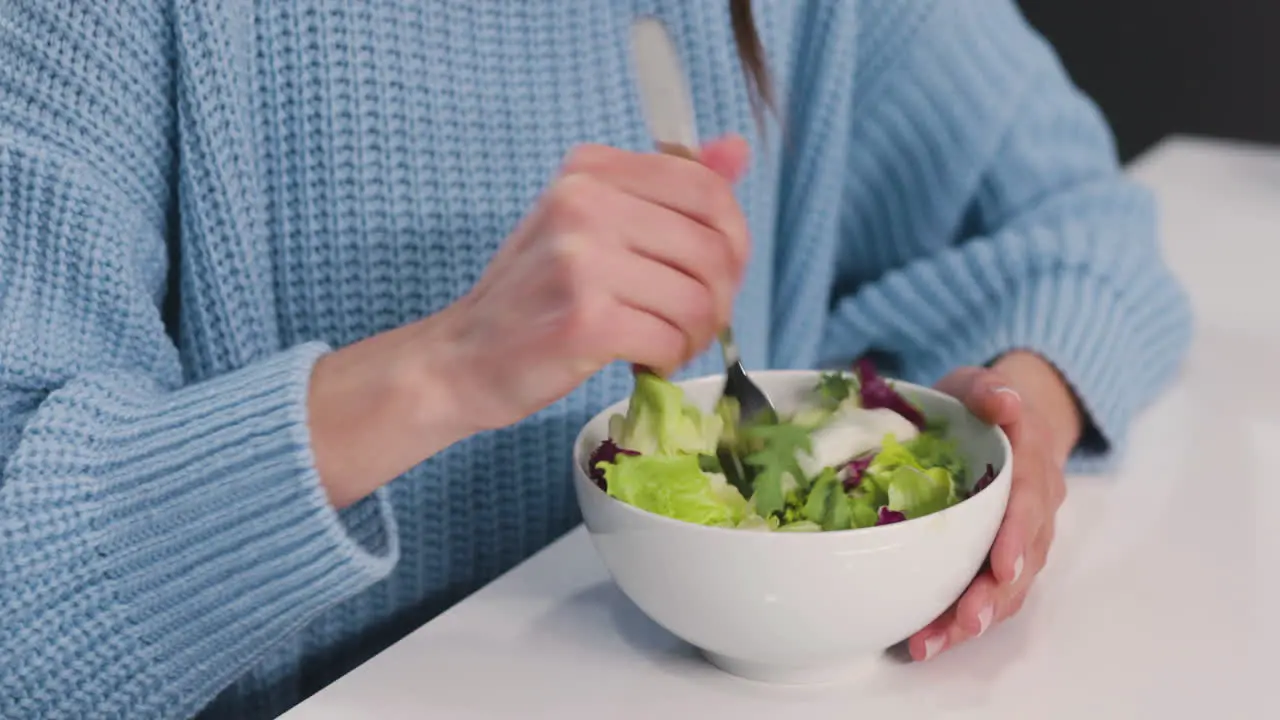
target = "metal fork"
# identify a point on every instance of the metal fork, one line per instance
(668, 109)
(753, 407)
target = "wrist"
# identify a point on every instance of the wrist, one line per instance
(1046, 392)
(435, 377)
(380, 406)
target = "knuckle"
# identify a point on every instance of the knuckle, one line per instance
(1050, 532)
(696, 181)
(579, 320)
(722, 204)
(1047, 534)
(575, 199)
(1023, 498)
(991, 378)
(710, 259)
(1052, 488)
(719, 209)
(1014, 606)
(723, 261)
(1042, 558)
(569, 258)
(1059, 493)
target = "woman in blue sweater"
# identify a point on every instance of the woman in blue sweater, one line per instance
(302, 302)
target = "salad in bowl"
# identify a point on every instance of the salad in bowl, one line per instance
(869, 507)
(854, 453)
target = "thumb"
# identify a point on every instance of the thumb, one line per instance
(727, 156)
(985, 393)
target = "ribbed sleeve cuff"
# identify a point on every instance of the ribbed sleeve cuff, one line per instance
(1082, 327)
(253, 547)
(199, 519)
(1114, 354)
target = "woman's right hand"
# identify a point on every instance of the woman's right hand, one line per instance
(626, 256)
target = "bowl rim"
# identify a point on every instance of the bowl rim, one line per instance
(1003, 476)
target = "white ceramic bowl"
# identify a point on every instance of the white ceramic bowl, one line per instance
(798, 608)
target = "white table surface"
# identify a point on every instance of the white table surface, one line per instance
(1152, 605)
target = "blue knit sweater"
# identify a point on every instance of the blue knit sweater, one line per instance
(197, 199)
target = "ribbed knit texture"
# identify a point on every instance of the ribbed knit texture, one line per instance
(199, 198)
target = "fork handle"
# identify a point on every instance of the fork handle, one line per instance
(678, 150)
(729, 348)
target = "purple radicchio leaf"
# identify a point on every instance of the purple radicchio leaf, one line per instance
(888, 517)
(607, 452)
(987, 478)
(854, 470)
(876, 392)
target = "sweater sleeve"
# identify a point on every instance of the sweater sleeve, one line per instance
(156, 535)
(990, 190)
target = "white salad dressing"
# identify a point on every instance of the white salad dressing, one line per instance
(850, 432)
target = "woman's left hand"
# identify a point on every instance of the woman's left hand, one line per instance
(1025, 396)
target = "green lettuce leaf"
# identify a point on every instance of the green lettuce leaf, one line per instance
(833, 392)
(827, 505)
(931, 451)
(892, 456)
(777, 471)
(835, 389)
(660, 421)
(872, 490)
(918, 477)
(875, 479)
(916, 493)
(801, 526)
(862, 511)
(755, 522)
(674, 486)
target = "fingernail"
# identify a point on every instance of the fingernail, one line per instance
(1007, 389)
(984, 619)
(1017, 569)
(933, 645)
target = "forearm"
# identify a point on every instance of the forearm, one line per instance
(1059, 254)
(1044, 391)
(178, 499)
(380, 406)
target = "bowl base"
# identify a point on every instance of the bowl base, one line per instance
(791, 675)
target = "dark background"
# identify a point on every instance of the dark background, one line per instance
(1204, 67)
